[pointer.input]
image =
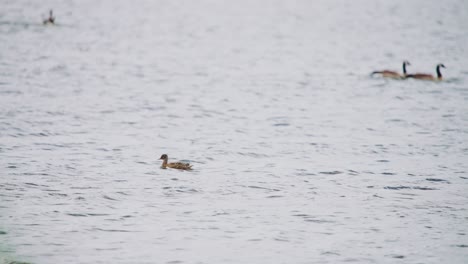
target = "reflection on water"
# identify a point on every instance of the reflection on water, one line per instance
(299, 155)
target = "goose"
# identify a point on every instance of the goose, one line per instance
(174, 165)
(393, 74)
(428, 77)
(50, 20)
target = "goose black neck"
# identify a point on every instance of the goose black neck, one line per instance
(439, 75)
(404, 68)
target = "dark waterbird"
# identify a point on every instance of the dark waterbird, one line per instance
(50, 20)
(427, 76)
(174, 165)
(393, 74)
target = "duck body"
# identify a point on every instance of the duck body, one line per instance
(393, 74)
(428, 77)
(174, 165)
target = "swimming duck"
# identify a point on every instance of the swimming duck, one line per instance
(174, 165)
(393, 74)
(50, 20)
(428, 77)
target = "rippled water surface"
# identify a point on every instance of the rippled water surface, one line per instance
(299, 155)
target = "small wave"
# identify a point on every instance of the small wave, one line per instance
(330, 253)
(109, 198)
(395, 120)
(253, 155)
(330, 172)
(107, 249)
(86, 215)
(436, 180)
(462, 246)
(113, 230)
(263, 188)
(191, 190)
(305, 174)
(58, 194)
(30, 184)
(7, 92)
(180, 189)
(409, 187)
(127, 216)
(174, 262)
(77, 215)
(84, 187)
(319, 221)
(281, 239)
(275, 196)
(310, 218)
(281, 124)
(98, 214)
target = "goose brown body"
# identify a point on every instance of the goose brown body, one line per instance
(388, 74)
(426, 76)
(393, 74)
(174, 165)
(422, 76)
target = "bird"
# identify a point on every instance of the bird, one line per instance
(50, 20)
(428, 77)
(393, 74)
(174, 165)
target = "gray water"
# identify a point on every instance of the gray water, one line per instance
(299, 155)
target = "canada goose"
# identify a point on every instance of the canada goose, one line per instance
(175, 165)
(393, 74)
(426, 76)
(50, 20)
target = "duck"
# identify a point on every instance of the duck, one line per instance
(174, 165)
(428, 77)
(393, 74)
(50, 20)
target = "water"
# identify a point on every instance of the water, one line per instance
(299, 155)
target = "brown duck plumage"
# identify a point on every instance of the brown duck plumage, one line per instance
(174, 165)
(393, 74)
